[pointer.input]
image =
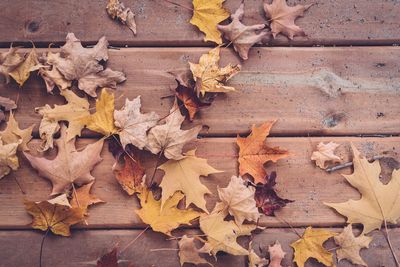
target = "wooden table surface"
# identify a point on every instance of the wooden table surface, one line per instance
(341, 83)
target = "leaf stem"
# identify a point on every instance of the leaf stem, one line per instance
(176, 4)
(390, 244)
(41, 246)
(133, 241)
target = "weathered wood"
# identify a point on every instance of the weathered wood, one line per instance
(83, 248)
(317, 91)
(350, 22)
(21, 248)
(298, 179)
(378, 253)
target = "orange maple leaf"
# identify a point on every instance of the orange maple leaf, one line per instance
(254, 153)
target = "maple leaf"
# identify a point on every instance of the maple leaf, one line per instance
(54, 215)
(350, 246)
(82, 64)
(254, 259)
(189, 99)
(222, 235)
(6, 104)
(103, 120)
(73, 112)
(238, 199)
(378, 203)
(9, 61)
(82, 198)
(169, 138)
(243, 37)
(188, 253)
(116, 9)
(324, 153)
(206, 16)
(21, 73)
(184, 175)
(167, 219)
(282, 18)
(133, 124)
(311, 246)
(13, 134)
(276, 255)
(254, 153)
(209, 77)
(266, 197)
(129, 174)
(8, 158)
(52, 76)
(69, 166)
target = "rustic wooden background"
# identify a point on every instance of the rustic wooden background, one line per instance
(341, 83)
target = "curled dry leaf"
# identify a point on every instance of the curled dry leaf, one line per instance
(222, 235)
(254, 153)
(13, 134)
(350, 246)
(243, 37)
(188, 253)
(266, 197)
(311, 246)
(169, 138)
(69, 166)
(167, 219)
(82, 198)
(209, 77)
(282, 18)
(133, 125)
(9, 61)
(52, 76)
(74, 111)
(54, 215)
(254, 259)
(238, 200)
(6, 104)
(8, 158)
(21, 73)
(379, 202)
(325, 153)
(102, 121)
(276, 255)
(83, 64)
(184, 175)
(116, 9)
(206, 16)
(129, 173)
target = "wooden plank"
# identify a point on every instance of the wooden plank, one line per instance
(21, 248)
(350, 22)
(378, 253)
(312, 91)
(298, 179)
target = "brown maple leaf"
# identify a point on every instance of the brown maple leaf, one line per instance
(69, 166)
(82, 198)
(282, 18)
(9, 61)
(243, 37)
(83, 64)
(266, 197)
(254, 153)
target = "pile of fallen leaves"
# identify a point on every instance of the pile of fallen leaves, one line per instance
(179, 198)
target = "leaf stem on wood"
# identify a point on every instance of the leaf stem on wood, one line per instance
(390, 243)
(133, 241)
(41, 246)
(348, 164)
(180, 5)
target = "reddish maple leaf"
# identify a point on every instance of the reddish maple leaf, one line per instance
(266, 197)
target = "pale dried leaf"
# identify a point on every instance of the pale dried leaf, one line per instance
(325, 153)
(116, 9)
(188, 253)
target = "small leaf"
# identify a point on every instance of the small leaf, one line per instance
(116, 9)
(188, 253)
(325, 153)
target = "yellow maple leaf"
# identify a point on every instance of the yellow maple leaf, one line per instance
(31, 63)
(103, 120)
(209, 77)
(167, 219)
(13, 134)
(54, 215)
(207, 14)
(311, 246)
(73, 112)
(379, 202)
(184, 175)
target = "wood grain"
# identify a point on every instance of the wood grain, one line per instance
(21, 248)
(298, 179)
(350, 22)
(312, 91)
